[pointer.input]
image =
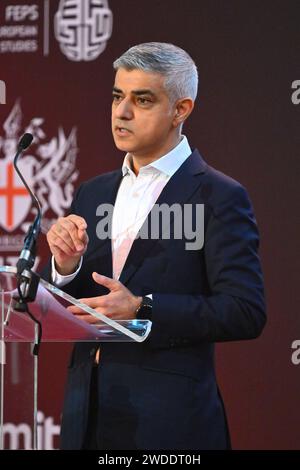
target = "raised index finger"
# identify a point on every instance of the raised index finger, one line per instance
(78, 221)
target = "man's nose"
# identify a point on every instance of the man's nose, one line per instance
(124, 109)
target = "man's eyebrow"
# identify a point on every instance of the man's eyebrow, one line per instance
(142, 92)
(145, 91)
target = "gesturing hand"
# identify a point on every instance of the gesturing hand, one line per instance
(68, 241)
(119, 304)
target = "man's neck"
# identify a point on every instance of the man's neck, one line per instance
(138, 161)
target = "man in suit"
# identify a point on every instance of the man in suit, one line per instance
(162, 393)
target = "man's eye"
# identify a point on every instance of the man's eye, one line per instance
(116, 97)
(143, 100)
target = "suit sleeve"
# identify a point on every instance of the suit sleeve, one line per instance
(235, 308)
(46, 272)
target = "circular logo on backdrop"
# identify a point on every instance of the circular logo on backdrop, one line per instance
(82, 28)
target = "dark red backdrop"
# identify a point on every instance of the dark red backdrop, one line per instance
(245, 124)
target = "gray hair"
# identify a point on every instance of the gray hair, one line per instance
(175, 64)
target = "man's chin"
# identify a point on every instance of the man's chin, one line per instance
(124, 146)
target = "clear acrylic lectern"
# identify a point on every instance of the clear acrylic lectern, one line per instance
(18, 380)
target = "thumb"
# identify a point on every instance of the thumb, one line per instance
(105, 281)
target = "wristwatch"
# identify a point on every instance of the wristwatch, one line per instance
(144, 311)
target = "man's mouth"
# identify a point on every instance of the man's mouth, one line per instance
(122, 130)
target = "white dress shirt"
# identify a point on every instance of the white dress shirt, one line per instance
(136, 197)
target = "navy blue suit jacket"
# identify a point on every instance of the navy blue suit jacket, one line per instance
(163, 394)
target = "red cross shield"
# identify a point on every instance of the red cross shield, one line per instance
(14, 199)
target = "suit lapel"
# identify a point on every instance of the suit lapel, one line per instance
(179, 189)
(102, 248)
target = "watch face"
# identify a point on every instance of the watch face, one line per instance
(145, 309)
(147, 302)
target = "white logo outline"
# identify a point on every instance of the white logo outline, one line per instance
(49, 167)
(82, 28)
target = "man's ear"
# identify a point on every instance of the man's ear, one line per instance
(183, 109)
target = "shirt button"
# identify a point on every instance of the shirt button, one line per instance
(135, 194)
